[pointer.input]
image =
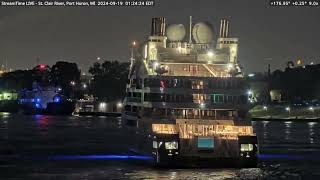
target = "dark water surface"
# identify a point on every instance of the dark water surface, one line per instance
(59, 147)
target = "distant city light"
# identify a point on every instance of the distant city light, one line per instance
(119, 105)
(210, 53)
(251, 75)
(102, 106)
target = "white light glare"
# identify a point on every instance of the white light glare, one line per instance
(155, 65)
(119, 104)
(230, 66)
(210, 53)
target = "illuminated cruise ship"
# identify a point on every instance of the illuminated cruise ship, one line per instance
(187, 98)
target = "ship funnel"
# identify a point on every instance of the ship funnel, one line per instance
(224, 28)
(158, 26)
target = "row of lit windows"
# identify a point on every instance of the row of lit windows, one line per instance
(195, 84)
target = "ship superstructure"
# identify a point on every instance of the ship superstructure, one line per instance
(186, 92)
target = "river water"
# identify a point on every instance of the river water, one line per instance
(61, 147)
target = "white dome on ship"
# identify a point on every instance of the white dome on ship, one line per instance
(202, 32)
(176, 32)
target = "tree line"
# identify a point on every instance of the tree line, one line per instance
(107, 82)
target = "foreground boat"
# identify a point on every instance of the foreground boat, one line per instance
(187, 99)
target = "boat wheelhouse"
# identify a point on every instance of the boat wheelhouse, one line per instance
(187, 98)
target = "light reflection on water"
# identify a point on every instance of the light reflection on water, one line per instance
(311, 131)
(34, 135)
(288, 135)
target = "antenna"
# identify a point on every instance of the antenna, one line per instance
(190, 26)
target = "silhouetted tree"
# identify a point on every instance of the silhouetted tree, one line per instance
(17, 80)
(109, 79)
(63, 73)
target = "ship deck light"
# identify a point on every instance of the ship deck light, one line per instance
(210, 53)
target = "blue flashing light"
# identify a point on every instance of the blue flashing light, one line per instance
(57, 99)
(93, 157)
(38, 100)
(38, 105)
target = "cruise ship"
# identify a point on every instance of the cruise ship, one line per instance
(187, 100)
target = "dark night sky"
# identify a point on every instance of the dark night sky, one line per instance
(82, 34)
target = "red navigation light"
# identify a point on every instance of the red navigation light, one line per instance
(42, 66)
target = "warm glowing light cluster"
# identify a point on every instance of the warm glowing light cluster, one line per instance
(188, 131)
(165, 128)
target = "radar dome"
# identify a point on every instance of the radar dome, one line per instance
(176, 32)
(202, 32)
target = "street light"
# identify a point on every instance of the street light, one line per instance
(119, 104)
(311, 108)
(289, 110)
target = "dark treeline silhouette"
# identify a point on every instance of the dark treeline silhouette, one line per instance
(109, 79)
(300, 83)
(60, 74)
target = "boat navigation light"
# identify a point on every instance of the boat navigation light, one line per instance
(57, 99)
